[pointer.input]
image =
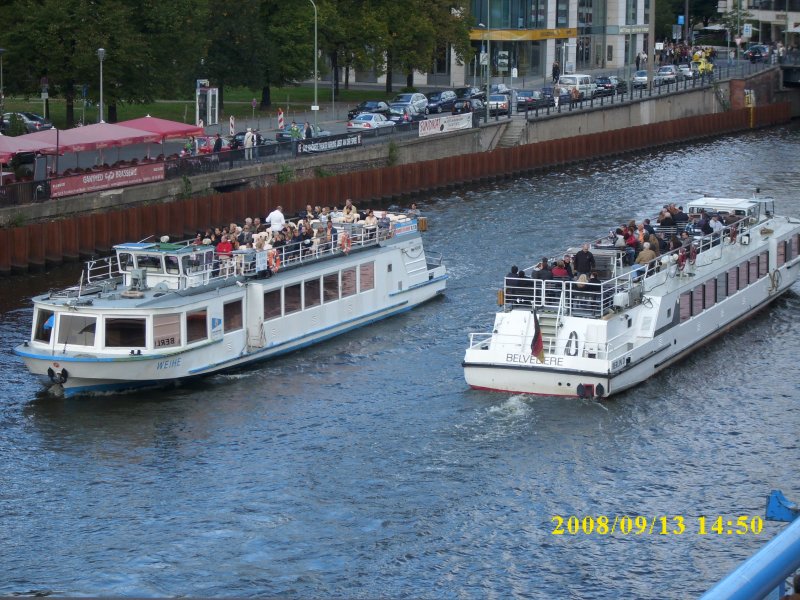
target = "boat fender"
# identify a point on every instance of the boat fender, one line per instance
(599, 390)
(345, 243)
(692, 254)
(273, 260)
(572, 344)
(501, 299)
(681, 259)
(59, 377)
(581, 391)
(733, 233)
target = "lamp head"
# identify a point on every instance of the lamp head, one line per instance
(101, 53)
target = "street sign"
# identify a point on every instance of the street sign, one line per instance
(232, 125)
(315, 107)
(254, 103)
(502, 60)
(676, 32)
(44, 96)
(747, 30)
(484, 59)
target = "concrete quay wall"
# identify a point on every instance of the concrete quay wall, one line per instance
(469, 156)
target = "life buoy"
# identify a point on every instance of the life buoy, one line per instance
(273, 260)
(571, 348)
(345, 243)
(132, 294)
(681, 259)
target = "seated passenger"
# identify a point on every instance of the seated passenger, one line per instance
(544, 273)
(645, 259)
(560, 271)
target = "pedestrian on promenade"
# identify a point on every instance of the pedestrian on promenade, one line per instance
(308, 131)
(249, 142)
(217, 144)
(556, 71)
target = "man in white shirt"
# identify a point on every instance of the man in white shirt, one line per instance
(276, 220)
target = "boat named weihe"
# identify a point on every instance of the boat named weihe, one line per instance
(592, 340)
(158, 313)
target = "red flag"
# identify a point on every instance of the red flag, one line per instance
(537, 345)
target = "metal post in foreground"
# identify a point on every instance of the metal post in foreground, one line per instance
(101, 54)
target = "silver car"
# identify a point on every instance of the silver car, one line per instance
(369, 121)
(419, 101)
(639, 79)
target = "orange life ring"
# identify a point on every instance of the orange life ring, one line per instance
(345, 243)
(273, 260)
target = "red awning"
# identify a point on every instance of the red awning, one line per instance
(9, 146)
(92, 137)
(166, 129)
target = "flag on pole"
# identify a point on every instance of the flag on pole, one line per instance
(537, 344)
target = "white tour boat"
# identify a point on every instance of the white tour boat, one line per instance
(566, 338)
(157, 313)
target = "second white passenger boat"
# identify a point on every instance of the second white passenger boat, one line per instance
(565, 338)
(157, 313)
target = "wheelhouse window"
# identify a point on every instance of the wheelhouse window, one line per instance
(367, 279)
(348, 282)
(149, 263)
(125, 261)
(45, 321)
(172, 264)
(330, 287)
(312, 292)
(167, 330)
(197, 325)
(233, 316)
(292, 298)
(272, 304)
(77, 330)
(125, 332)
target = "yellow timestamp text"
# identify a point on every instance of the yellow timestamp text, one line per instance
(656, 525)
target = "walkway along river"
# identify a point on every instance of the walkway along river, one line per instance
(364, 467)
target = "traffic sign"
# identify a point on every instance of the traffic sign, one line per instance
(254, 103)
(747, 30)
(232, 125)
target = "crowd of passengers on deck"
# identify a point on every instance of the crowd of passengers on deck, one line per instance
(640, 246)
(315, 231)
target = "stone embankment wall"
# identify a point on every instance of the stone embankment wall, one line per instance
(572, 138)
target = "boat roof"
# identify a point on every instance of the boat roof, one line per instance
(723, 203)
(157, 247)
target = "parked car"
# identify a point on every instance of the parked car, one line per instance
(639, 80)
(500, 88)
(470, 92)
(532, 99)
(238, 140)
(263, 145)
(756, 53)
(403, 114)
(687, 71)
(563, 96)
(609, 85)
(31, 121)
(419, 101)
(369, 121)
(467, 105)
(285, 134)
(441, 101)
(369, 106)
(667, 74)
(584, 84)
(498, 104)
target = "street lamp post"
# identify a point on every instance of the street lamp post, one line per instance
(2, 90)
(101, 54)
(315, 108)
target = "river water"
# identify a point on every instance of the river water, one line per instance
(364, 467)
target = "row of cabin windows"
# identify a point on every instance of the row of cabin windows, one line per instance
(197, 261)
(708, 293)
(319, 290)
(130, 332)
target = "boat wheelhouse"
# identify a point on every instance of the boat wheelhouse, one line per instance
(156, 313)
(562, 337)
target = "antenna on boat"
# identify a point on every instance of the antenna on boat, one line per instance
(145, 239)
(80, 285)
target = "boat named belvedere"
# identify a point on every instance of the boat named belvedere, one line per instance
(563, 337)
(157, 313)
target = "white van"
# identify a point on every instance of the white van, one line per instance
(585, 84)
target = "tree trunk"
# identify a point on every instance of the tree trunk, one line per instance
(410, 80)
(111, 117)
(335, 72)
(266, 97)
(347, 76)
(69, 97)
(221, 96)
(388, 72)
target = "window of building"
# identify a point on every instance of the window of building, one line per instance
(562, 13)
(330, 287)
(763, 264)
(686, 306)
(272, 304)
(77, 330)
(45, 321)
(232, 316)
(166, 330)
(367, 278)
(348, 282)
(196, 325)
(538, 14)
(125, 332)
(710, 293)
(292, 299)
(312, 292)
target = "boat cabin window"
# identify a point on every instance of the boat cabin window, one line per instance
(125, 332)
(172, 264)
(196, 325)
(197, 261)
(77, 330)
(149, 263)
(167, 330)
(291, 298)
(367, 278)
(125, 261)
(272, 304)
(348, 282)
(330, 287)
(45, 320)
(312, 292)
(233, 316)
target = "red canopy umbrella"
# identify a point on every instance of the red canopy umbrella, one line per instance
(166, 129)
(93, 137)
(9, 146)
